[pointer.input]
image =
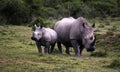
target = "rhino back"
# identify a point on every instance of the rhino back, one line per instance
(63, 29)
(76, 30)
(50, 35)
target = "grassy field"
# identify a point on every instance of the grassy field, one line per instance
(18, 53)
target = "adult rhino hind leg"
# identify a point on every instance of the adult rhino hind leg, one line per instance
(39, 48)
(67, 50)
(75, 47)
(59, 47)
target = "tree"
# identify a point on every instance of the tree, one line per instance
(15, 11)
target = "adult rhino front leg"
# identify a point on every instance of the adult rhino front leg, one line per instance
(81, 49)
(39, 48)
(67, 50)
(75, 47)
(59, 47)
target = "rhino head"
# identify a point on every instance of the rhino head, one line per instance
(37, 34)
(88, 37)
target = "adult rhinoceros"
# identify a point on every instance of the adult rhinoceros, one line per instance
(44, 37)
(76, 33)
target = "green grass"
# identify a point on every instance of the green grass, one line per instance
(18, 53)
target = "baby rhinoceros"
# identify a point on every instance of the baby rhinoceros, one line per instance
(44, 37)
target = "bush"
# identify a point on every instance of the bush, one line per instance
(115, 64)
(109, 33)
(21, 11)
(40, 22)
(14, 11)
(47, 12)
(99, 54)
(101, 26)
(114, 28)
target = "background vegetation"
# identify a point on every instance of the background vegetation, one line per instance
(24, 11)
(18, 53)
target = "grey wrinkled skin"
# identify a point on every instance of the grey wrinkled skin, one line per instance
(44, 37)
(76, 33)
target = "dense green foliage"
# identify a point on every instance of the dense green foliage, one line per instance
(24, 11)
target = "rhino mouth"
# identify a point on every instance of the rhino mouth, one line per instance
(90, 49)
(32, 38)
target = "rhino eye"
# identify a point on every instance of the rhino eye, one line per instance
(38, 34)
(91, 38)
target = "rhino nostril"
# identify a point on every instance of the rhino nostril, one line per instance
(90, 49)
(32, 38)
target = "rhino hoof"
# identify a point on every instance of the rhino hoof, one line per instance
(77, 55)
(40, 54)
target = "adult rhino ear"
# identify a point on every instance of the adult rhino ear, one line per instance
(93, 25)
(83, 25)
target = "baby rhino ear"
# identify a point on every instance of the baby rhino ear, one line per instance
(35, 25)
(41, 26)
